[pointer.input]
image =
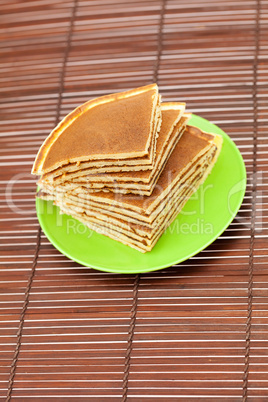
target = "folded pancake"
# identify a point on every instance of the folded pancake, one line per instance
(140, 221)
(152, 219)
(192, 146)
(125, 223)
(118, 129)
(138, 237)
(141, 182)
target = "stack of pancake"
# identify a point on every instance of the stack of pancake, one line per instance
(125, 164)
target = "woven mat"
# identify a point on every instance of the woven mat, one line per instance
(196, 331)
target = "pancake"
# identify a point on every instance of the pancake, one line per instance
(193, 144)
(123, 222)
(137, 186)
(142, 182)
(172, 127)
(120, 212)
(111, 165)
(140, 221)
(118, 127)
(137, 236)
(132, 216)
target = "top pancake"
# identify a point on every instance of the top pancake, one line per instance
(117, 126)
(172, 113)
(171, 127)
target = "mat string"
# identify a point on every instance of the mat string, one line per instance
(253, 216)
(22, 317)
(133, 314)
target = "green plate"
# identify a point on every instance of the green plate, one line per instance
(205, 216)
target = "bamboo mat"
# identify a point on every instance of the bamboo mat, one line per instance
(195, 331)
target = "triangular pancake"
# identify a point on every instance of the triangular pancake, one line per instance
(193, 144)
(140, 227)
(118, 208)
(173, 120)
(132, 216)
(172, 127)
(113, 127)
(122, 210)
(141, 237)
(187, 168)
(137, 186)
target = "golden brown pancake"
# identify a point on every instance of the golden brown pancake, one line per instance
(113, 214)
(115, 127)
(136, 186)
(122, 217)
(138, 217)
(191, 146)
(130, 212)
(172, 128)
(140, 237)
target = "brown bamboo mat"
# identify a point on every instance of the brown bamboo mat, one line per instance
(195, 331)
